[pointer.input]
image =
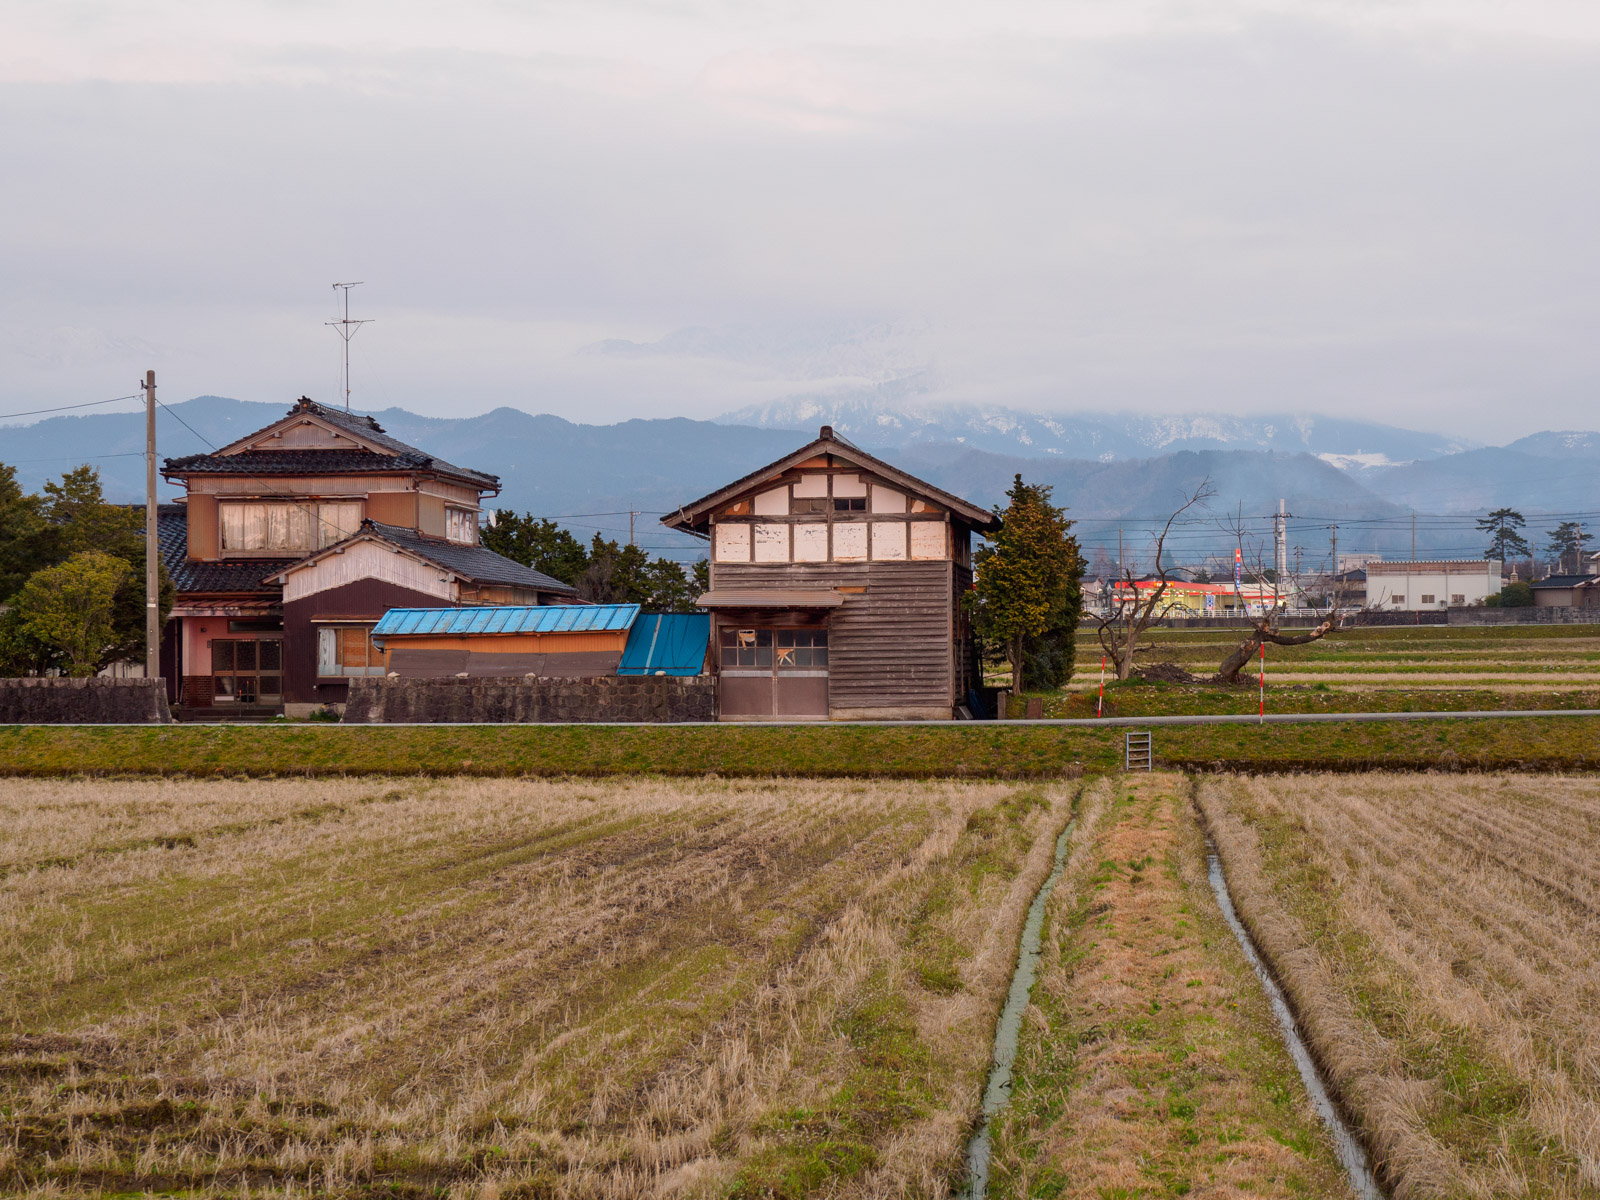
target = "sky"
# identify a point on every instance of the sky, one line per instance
(1381, 209)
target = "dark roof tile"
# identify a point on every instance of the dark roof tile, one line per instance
(247, 575)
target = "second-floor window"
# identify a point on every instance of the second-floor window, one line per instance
(279, 526)
(461, 525)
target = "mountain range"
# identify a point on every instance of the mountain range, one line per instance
(1113, 472)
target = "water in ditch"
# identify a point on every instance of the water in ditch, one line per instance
(1350, 1151)
(1007, 1032)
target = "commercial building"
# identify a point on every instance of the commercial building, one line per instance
(1427, 584)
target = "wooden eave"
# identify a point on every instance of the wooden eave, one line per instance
(694, 517)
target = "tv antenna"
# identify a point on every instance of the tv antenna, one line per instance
(346, 329)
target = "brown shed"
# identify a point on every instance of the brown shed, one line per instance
(836, 584)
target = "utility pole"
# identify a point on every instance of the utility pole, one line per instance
(346, 329)
(1119, 550)
(631, 515)
(152, 545)
(1280, 551)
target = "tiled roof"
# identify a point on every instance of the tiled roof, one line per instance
(172, 533)
(1566, 581)
(509, 618)
(477, 564)
(328, 462)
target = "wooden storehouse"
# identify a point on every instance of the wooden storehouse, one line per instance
(836, 585)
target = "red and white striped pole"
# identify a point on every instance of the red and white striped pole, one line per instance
(1100, 706)
(1261, 716)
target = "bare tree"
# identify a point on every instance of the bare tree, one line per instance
(1128, 616)
(1265, 628)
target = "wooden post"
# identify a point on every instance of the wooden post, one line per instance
(1100, 706)
(152, 544)
(1261, 715)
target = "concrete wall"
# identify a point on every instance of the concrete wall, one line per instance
(94, 701)
(1541, 615)
(656, 698)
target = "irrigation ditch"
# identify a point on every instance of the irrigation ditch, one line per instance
(1009, 1029)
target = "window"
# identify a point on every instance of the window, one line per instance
(461, 525)
(246, 671)
(849, 504)
(288, 526)
(1458, 598)
(750, 649)
(345, 650)
(809, 504)
(1427, 597)
(1397, 599)
(802, 649)
(760, 650)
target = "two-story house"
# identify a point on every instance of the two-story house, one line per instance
(293, 541)
(836, 585)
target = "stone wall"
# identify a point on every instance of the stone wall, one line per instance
(652, 698)
(93, 701)
(1531, 615)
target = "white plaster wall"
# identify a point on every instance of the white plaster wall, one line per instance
(772, 543)
(811, 542)
(850, 541)
(733, 543)
(928, 539)
(887, 500)
(773, 504)
(889, 540)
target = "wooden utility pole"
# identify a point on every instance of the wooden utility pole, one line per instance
(152, 545)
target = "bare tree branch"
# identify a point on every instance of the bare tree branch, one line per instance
(1124, 624)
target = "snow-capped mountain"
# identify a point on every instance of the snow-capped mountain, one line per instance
(889, 421)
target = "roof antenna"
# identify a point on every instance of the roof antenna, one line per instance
(346, 329)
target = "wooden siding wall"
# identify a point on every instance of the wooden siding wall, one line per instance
(890, 646)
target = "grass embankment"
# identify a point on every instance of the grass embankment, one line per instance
(508, 988)
(992, 750)
(1438, 939)
(1157, 698)
(1150, 1064)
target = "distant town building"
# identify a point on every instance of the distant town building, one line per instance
(1429, 584)
(1567, 591)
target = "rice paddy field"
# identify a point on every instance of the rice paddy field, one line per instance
(1364, 669)
(504, 989)
(497, 988)
(1440, 940)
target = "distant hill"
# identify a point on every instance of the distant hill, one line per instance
(588, 476)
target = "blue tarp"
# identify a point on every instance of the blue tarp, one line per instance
(667, 644)
(509, 618)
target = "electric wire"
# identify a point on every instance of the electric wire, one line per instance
(34, 412)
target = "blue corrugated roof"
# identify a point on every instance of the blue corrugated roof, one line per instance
(508, 618)
(667, 644)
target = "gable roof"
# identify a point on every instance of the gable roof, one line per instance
(475, 564)
(693, 515)
(1565, 581)
(372, 450)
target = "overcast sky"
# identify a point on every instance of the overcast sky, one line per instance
(1376, 208)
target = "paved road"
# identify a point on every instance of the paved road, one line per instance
(1087, 722)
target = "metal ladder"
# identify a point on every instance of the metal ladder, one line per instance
(1137, 753)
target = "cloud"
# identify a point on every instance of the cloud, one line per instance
(1379, 210)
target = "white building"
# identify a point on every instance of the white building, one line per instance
(1431, 583)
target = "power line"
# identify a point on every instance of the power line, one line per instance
(34, 412)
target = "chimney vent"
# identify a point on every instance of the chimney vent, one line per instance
(827, 433)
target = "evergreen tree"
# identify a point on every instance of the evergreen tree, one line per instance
(72, 608)
(1028, 588)
(1565, 548)
(1504, 541)
(538, 543)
